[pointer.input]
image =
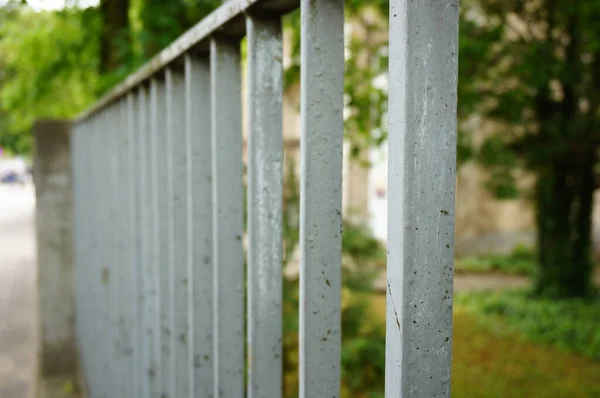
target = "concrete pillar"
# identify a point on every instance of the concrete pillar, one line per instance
(53, 185)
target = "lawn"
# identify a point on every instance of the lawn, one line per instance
(491, 360)
(520, 262)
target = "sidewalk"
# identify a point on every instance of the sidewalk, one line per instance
(18, 293)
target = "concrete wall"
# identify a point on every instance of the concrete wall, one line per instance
(52, 176)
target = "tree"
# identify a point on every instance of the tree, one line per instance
(114, 40)
(534, 66)
(163, 21)
(49, 63)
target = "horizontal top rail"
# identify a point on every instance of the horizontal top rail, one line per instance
(227, 20)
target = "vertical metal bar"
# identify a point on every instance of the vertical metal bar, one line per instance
(113, 259)
(152, 319)
(76, 173)
(122, 119)
(87, 267)
(91, 266)
(130, 274)
(88, 252)
(137, 282)
(105, 277)
(157, 127)
(421, 180)
(322, 85)
(265, 180)
(180, 200)
(93, 309)
(228, 223)
(104, 230)
(166, 341)
(144, 267)
(198, 122)
(95, 278)
(98, 277)
(79, 175)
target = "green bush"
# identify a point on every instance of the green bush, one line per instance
(572, 325)
(521, 261)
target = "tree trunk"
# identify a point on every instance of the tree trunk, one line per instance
(564, 196)
(115, 34)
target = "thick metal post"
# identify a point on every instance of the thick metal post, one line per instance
(322, 85)
(198, 122)
(422, 168)
(265, 190)
(228, 217)
(180, 199)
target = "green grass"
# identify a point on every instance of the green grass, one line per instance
(495, 363)
(492, 359)
(572, 325)
(520, 262)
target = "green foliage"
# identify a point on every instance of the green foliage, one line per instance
(359, 243)
(521, 261)
(161, 22)
(572, 325)
(291, 210)
(49, 62)
(363, 348)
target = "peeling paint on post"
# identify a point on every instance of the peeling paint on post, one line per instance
(422, 170)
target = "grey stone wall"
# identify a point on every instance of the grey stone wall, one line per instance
(52, 174)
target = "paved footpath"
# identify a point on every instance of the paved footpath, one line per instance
(18, 293)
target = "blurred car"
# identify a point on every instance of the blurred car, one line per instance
(12, 177)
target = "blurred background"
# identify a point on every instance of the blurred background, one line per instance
(527, 313)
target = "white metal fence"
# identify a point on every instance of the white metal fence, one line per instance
(157, 168)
